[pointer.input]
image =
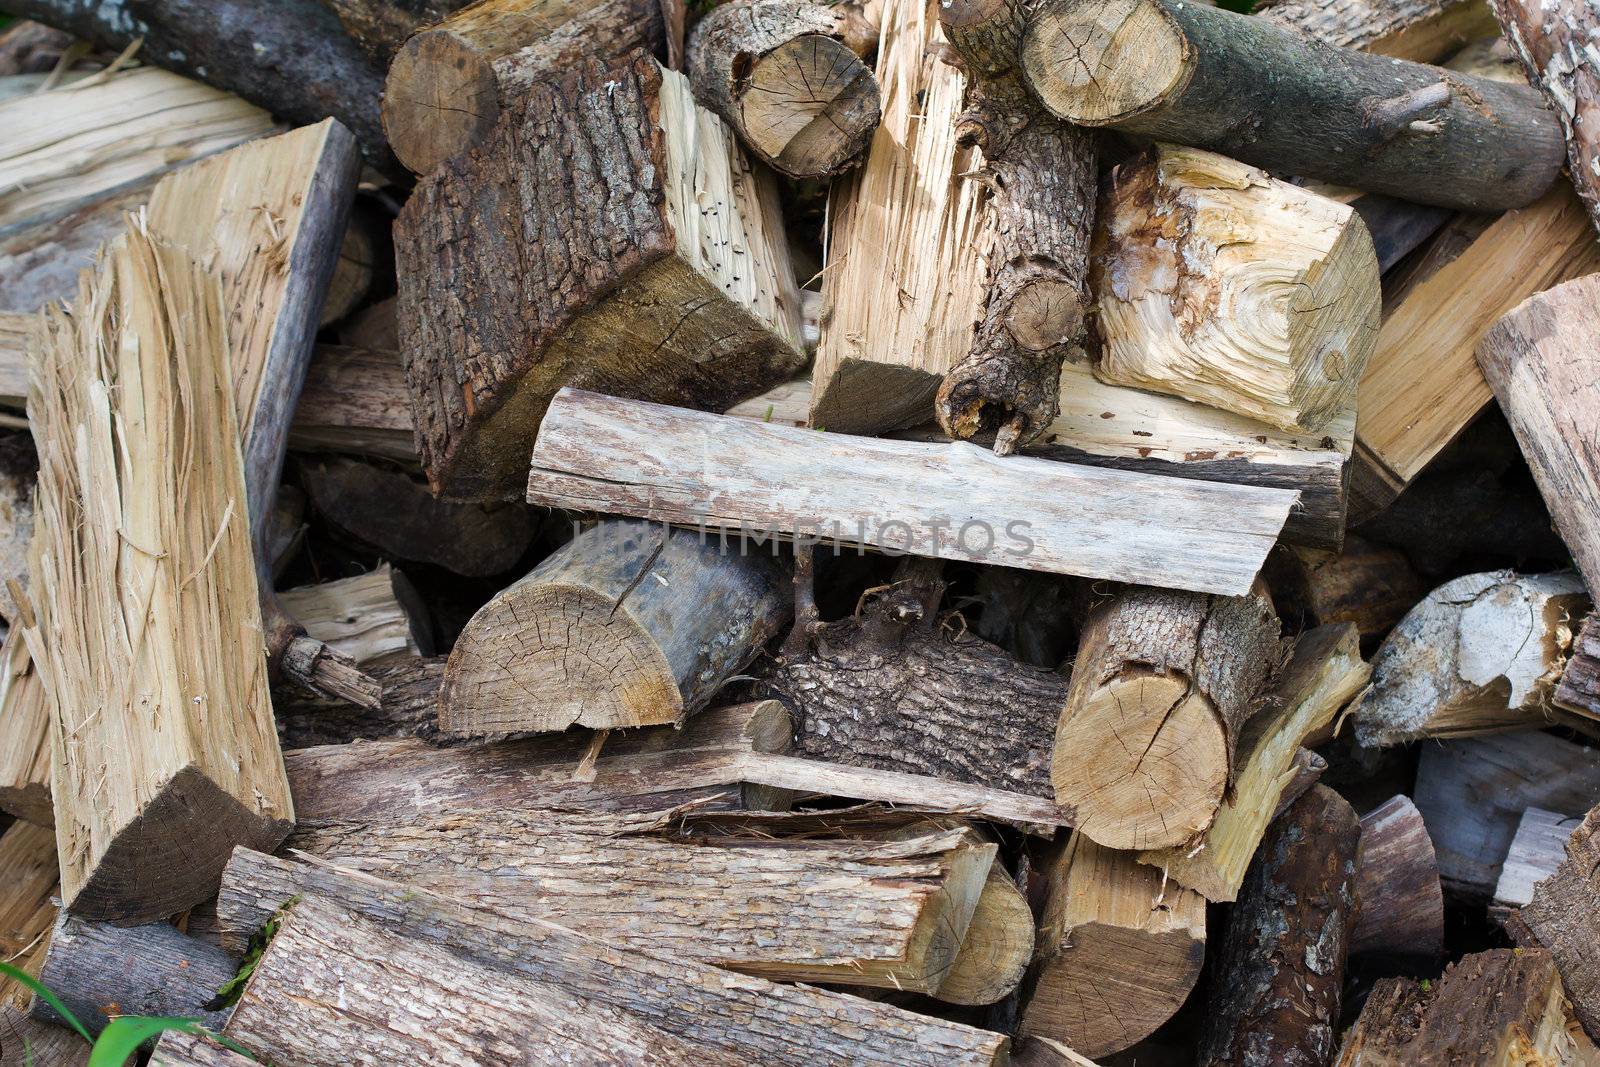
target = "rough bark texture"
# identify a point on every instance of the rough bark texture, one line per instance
(1275, 995)
(1580, 682)
(902, 687)
(1402, 904)
(449, 84)
(1425, 31)
(1277, 99)
(1161, 686)
(800, 1026)
(1564, 919)
(788, 77)
(25, 1042)
(1556, 43)
(409, 707)
(628, 624)
(178, 1049)
(289, 56)
(1041, 175)
(1366, 584)
(380, 27)
(355, 400)
(615, 277)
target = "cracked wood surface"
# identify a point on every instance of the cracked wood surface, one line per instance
(1564, 918)
(1425, 31)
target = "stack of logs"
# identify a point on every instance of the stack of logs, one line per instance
(788, 532)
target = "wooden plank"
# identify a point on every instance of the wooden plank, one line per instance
(599, 453)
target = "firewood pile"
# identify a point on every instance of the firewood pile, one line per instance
(906, 532)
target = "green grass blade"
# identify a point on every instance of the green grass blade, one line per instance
(16, 974)
(122, 1038)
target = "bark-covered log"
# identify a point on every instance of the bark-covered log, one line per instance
(1191, 267)
(31, 48)
(1041, 175)
(628, 624)
(1534, 360)
(1402, 904)
(1480, 654)
(380, 27)
(355, 400)
(1425, 31)
(1162, 685)
(1369, 585)
(1537, 850)
(408, 707)
(289, 56)
(449, 83)
(655, 268)
(1580, 682)
(1120, 949)
(179, 1049)
(1275, 994)
(799, 1026)
(1564, 919)
(1272, 97)
(788, 77)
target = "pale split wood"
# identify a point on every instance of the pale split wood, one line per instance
(27, 910)
(148, 634)
(1563, 918)
(1402, 903)
(715, 471)
(1539, 847)
(24, 735)
(1426, 31)
(997, 947)
(19, 466)
(368, 617)
(14, 330)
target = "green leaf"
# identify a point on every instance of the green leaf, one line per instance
(17, 974)
(122, 1038)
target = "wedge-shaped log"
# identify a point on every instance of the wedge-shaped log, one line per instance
(1223, 285)
(24, 735)
(657, 267)
(1323, 675)
(1422, 30)
(1564, 919)
(1537, 850)
(1479, 654)
(1162, 685)
(995, 952)
(717, 471)
(887, 914)
(628, 624)
(367, 617)
(148, 630)
(747, 1017)
(1120, 950)
(1255, 91)
(1402, 904)
(449, 83)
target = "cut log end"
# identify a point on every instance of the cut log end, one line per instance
(809, 107)
(999, 943)
(1071, 48)
(441, 97)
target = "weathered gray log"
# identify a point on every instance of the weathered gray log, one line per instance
(41, 263)
(179, 1049)
(408, 707)
(380, 27)
(25, 1042)
(1564, 919)
(1423, 30)
(1580, 682)
(1402, 904)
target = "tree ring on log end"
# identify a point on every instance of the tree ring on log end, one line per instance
(1045, 314)
(441, 97)
(1097, 63)
(808, 106)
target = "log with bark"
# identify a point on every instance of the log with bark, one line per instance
(766, 480)
(380, 27)
(1501, 1008)
(153, 783)
(408, 707)
(1556, 43)
(1537, 850)
(1579, 689)
(628, 624)
(355, 400)
(799, 1026)
(1162, 685)
(31, 48)
(1402, 904)
(24, 735)
(1479, 654)
(1369, 585)
(1425, 31)
(449, 84)
(1040, 174)
(788, 77)
(1280, 974)
(1120, 949)
(27, 909)
(1533, 360)
(368, 617)
(179, 1049)
(1190, 269)
(997, 948)
(686, 294)
(1273, 97)
(41, 262)
(1324, 673)
(1563, 918)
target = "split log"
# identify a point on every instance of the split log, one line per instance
(1480, 654)
(409, 707)
(355, 400)
(449, 83)
(375, 327)
(1564, 919)
(1162, 685)
(1275, 994)
(1306, 771)
(14, 330)
(1120, 950)
(1423, 385)
(1532, 362)
(100, 971)
(680, 301)
(24, 735)
(365, 246)
(74, 145)
(1500, 1008)
(294, 60)
(638, 771)
(1368, 585)
(997, 948)
(153, 785)
(897, 688)
(19, 475)
(179, 1049)
(1472, 794)
(1556, 45)
(1402, 904)
(1425, 31)
(1324, 674)
(41, 262)
(31, 48)
(1194, 259)
(393, 512)
(1041, 175)
(368, 617)
(1580, 682)
(800, 1026)
(27, 1043)
(627, 624)
(27, 910)
(1077, 520)
(1254, 91)
(1537, 850)
(787, 76)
